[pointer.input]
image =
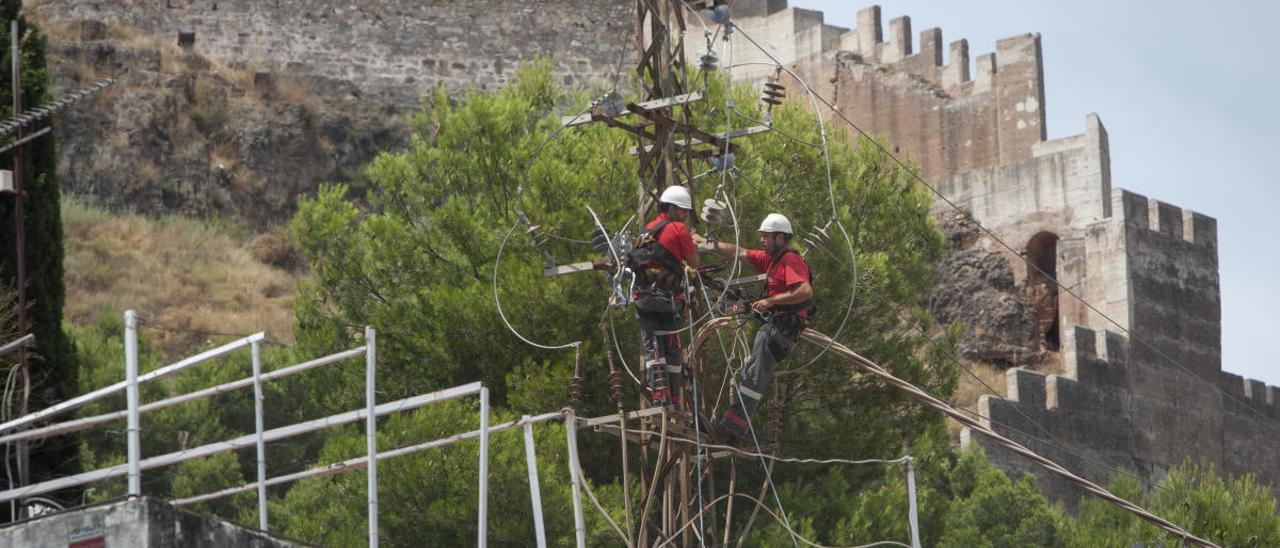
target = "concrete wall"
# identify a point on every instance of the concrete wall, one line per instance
(137, 523)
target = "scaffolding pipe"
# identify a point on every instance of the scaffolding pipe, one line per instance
(242, 442)
(134, 428)
(535, 492)
(579, 527)
(360, 462)
(484, 468)
(262, 445)
(89, 422)
(100, 393)
(913, 519)
(371, 429)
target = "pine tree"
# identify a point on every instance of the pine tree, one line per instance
(53, 362)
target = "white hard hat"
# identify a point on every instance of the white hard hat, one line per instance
(776, 222)
(678, 196)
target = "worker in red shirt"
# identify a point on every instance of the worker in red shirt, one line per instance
(786, 308)
(664, 249)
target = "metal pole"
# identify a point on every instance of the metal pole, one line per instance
(371, 431)
(131, 394)
(535, 492)
(484, 468)
(262, 446)
(579, 528)
(912, 516)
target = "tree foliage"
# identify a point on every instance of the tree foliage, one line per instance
(53, 361)
(411, 248)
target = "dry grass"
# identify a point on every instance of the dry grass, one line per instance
(188, 278)
(969, 389)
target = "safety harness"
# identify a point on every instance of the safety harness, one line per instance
(654, 265)
(787, 315)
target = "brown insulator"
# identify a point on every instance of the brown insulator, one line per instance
(575, 391)
(659, 387)
(615, 386)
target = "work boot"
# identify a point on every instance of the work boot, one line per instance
(715, 432)
(734, 425)
(660, 398)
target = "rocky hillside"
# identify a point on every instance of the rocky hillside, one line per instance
(181, 133)
(265, 100)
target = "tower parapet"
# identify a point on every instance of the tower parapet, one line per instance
(1078, 418)
(952, 118)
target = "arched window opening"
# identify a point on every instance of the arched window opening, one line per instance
(1041, 288)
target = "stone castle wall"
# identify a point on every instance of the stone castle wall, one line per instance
(1141, 402)
(950, 118)
(392, 50)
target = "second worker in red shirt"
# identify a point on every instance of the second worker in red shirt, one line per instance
(785, 308)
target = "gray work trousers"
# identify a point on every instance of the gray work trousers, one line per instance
(663, 353)
(773, 343)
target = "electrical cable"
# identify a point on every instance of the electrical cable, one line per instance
(820, 340)
(974, 425)
(781, 522)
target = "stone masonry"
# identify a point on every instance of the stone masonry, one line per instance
(1141, 402)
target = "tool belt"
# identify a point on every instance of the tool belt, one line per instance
(790, 324)
(657, 301)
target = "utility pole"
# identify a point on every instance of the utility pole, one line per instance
(668, 144)
(660, 29)
(24, 475)
(14, 127)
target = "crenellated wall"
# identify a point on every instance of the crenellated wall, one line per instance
(1141, 403)
(1250, 428)
(950, 118)
(1080, 419)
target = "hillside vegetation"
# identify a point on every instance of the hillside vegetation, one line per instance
(188, 279)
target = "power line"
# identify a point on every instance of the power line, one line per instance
(932, 401)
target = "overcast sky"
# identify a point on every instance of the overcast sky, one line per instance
(1190, 95)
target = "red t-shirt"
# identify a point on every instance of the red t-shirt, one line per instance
(789, 271)
(675, 238)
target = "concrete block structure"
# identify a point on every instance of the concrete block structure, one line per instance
(135, 522)
(1137, 381)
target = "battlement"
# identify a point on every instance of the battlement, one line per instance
(792, 33)
(1092, 362)
(1138, 211)
(1255, 394)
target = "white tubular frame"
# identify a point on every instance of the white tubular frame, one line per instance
(19, 343)
(261, 443)
(14, 430)
(100, 393)
(371, 431)
(360, 462)
(89, 422)
(273, 435)
(535, 491)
